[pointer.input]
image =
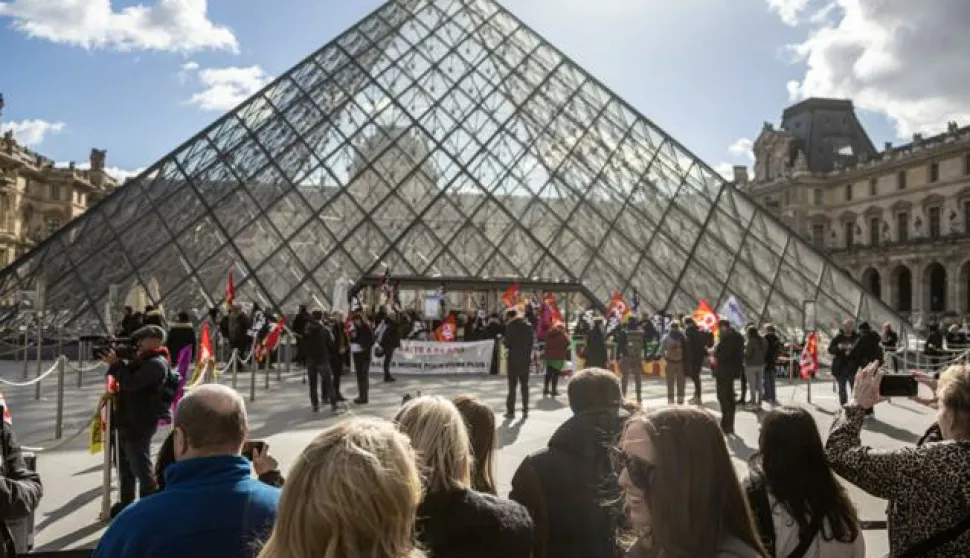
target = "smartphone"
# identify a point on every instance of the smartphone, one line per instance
(251, 446)
(898, 385)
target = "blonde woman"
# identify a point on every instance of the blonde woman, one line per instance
(352, 493)
(454, 521)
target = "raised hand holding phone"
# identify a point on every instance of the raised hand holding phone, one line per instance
(866, 390)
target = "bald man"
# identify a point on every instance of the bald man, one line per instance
(211, 505)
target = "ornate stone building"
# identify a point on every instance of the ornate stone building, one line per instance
(37, 198)
(897, 219)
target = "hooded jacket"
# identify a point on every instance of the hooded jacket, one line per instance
(519, 338)
(469, 524)
(565, 486)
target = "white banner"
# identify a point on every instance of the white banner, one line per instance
(431, 358)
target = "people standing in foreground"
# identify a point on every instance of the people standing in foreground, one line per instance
(519, 339)
(361, 345)
(317, 347)
(728, 367)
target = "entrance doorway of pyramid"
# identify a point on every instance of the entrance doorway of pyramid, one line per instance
(436, 138)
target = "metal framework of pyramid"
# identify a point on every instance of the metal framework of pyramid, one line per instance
(435, 137)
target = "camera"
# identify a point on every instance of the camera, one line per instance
(124, 348)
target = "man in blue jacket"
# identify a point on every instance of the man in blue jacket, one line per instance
(220, 510)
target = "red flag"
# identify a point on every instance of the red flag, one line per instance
(706, 318)
(809, 358)
(230, 290)
(447, 332)
(511, 296)
(205, 344)
(7, 418)
(269, 344)
(617, 306)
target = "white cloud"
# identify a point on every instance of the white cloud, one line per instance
(227, 87)
(789, 11)
(168, 25)
(186, 71)
(726, 170)
(907, 60)
(31, 132)
(742, 148)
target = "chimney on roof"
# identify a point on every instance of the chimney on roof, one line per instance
(889, 146)
(917, 138)
(952, 127)
(740, 176)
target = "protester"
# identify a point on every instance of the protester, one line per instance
(595, 351)
(843, 367)
(494, 330)
(632, 364)
(480, 422)
(338, 360)
(389, 340)
(455, 521)
(799, 506)
(299, 325)
(181, 335)
(674, 346)
(755, 349)
(519, 339)
(140, 404)
(694, 356)
(556, 355)
(569, 487)
(772, 351)
(927, 487)
(352, 493)
(681, 492)
(210, 505)
(20, 489)
(729, 366)
(361, 342)
(318, 348)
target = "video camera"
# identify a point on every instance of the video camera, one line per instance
(124, 347)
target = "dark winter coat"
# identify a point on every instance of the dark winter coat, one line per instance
(138, 403)
(363, 337)
(390, 335)
(469, 524)
(772, 350)
(519, 338)
(596, 354)
(557, 344)
(634, 345)
(867, 349)
(180, 336)
(20, 488)
(729, 353)
(300, 321)
(842, 365)
(695, 350)
(568, 486)
(890, 341)
(317, 342)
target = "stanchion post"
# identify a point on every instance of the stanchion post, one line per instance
(26, 351)
(233, 367)
(80, 361)
(41, 295)
(61, 369)
(252, 381)
(106, 467)
(267, 363)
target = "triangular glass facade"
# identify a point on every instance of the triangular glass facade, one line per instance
(439, 138)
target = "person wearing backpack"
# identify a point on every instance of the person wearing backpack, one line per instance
(674, 346)
(146, 391)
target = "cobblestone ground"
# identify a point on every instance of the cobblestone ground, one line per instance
(68, 515)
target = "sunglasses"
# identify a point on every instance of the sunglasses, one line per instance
(638, 469)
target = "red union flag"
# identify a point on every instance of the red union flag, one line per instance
(447, 332)
(705, 317)
(7, 417)
(511, 296)
(809, 358)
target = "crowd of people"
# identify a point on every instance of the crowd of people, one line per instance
(613, 480)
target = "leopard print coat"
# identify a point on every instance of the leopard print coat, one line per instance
(928, 487)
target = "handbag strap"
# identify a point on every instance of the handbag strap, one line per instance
(806, 541)
(937, 540)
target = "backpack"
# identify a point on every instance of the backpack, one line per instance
(169, 389)
(674, 352)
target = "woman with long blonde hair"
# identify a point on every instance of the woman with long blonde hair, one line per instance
(352, 493)
(455, 521)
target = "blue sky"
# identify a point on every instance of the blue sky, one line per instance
(139, 78)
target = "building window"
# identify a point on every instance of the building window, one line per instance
(902, 226)
(934, 172)
(935, 217)
(901, 180)
(818, 235)
(54, 191)
(873, 187)
(52, 225)
(849, 234)
(817, 197)
(848, 192)
(874, 223)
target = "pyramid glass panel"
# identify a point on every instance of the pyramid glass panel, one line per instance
(435, 138)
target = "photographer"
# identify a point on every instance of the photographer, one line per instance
(142, 400)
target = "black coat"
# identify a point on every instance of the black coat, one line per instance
(568, 486)
(519, 338)
(867, 348)
(773, 349)
(840, 348)
(390, 336)
(20, 488)
(317, 343)
(695, 350)
(138, 405)
(596, 354)
(469, 524)
(180, 336)
(729, 353)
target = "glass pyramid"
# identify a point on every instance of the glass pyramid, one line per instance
(435, 138)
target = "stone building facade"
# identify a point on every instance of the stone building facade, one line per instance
(37, 198)
(898, 220)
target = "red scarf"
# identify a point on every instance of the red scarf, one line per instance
(145, 355)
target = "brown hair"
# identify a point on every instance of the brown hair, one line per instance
(695, 501)
(594, 388)
(480, 421)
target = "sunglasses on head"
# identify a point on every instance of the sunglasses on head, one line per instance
(638, 469)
